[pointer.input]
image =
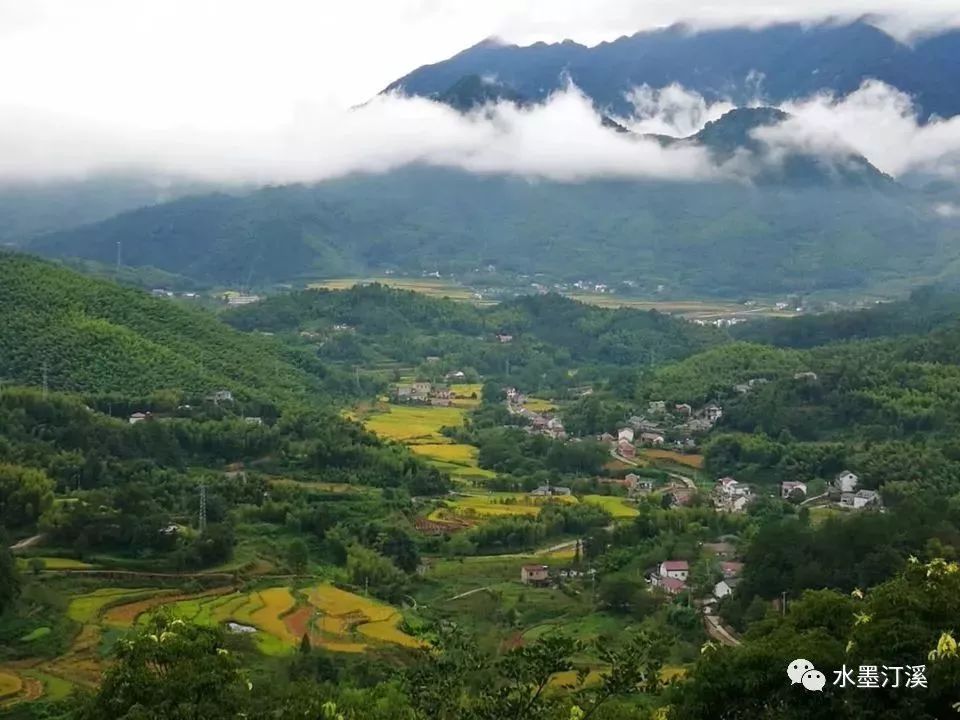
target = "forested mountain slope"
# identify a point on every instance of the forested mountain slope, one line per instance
(93, 336)
(694, 239)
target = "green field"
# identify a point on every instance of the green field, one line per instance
(618, 507)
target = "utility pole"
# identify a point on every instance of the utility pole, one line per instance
(119, 256)
(783, 603)
(203, 507)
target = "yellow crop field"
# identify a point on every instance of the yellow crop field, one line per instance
(457, 454)
(409, 423)
(10, 684)
(387, 631)
(500, 504)
(276, 602)
(343, 612)
(616, 506)
(694, 461)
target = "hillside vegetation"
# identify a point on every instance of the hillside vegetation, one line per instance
(96, 337)
(693, 239)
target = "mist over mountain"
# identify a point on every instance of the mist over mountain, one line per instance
(773, 64)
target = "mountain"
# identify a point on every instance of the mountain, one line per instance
(91, 336)
(776, 63)
(29, 208)
(672, 238)
(734, 134)
(473, 91)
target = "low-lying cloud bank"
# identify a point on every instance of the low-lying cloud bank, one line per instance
(561, 140)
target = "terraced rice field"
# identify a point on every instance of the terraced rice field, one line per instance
(419, 428)
(89, 607)
(344, 621)
(126, 615)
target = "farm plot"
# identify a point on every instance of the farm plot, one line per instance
(497, 505)
(414, 424)
(339, 617)
(618, 507)
(419, 428)
(10, 685)
(692, 461)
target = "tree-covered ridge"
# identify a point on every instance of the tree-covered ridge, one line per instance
(543, 336)
(925, 310)
(94, 336)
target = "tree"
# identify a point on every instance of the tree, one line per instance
(25, 494)
(298, 555)
(36, 565)
(171, 671)
(9, 578)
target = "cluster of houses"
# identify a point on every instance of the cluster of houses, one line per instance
(634, 484)
(663, 427)
(546, 424)
(845, 489)
(425, 393)
(731, 496)
(671, 575)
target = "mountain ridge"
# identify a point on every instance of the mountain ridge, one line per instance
(776, 63)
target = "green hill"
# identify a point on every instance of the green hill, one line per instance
(93, 336)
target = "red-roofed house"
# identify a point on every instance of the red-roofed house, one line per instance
(677, 569)
(672, 585)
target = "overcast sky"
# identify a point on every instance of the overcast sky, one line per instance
(251, 84)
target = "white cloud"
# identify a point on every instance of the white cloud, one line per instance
(560, 140)
(672, 110)
(877, 121)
